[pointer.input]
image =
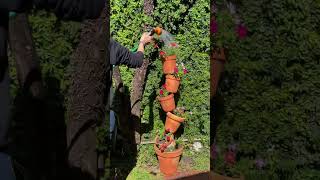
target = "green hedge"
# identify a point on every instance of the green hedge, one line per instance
(189, 23)
(271, 89)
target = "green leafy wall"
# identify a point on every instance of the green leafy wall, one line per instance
(188, 21)
(271, 89)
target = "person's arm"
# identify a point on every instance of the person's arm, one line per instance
(122, 55)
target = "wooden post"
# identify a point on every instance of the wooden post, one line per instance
(139, 82)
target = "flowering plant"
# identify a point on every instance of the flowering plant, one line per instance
(181, 112)
(180, 71)
(225, 163)
(226, 27)
(163, 91)
(169, 49)
(166, 142)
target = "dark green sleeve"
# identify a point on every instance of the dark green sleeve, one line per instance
(120, 55)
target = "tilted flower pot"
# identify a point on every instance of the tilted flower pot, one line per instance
(218, 59)
(168, 64)
(173, 122)
(172, 83)
(168, 161)
(167, 103)
(217, 176)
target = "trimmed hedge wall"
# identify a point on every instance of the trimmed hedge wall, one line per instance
(189, 22)
(271, 90)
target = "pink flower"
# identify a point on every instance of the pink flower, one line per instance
(176, 70)
(230, 158)
(173, 44)
(260, 163)
(168, 138)
(241, 31)
(161, 92)
(164, 86)
(213, 26)
(162, 53)
(214, 151)
(185, 71)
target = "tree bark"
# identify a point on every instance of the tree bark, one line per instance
(4, 83)
(87, 96)
(121, 102)
(139, 82)
(27, 62)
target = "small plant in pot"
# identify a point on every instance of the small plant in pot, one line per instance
(174, 120)
(225, 30)
(173, 80)
(224, 164)
(166, 99)
(168, 152)
(169, 55)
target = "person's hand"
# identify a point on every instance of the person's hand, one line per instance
(146, 38)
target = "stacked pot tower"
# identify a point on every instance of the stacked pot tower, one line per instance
(169, 160)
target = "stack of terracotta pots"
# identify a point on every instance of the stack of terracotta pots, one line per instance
(169, 161)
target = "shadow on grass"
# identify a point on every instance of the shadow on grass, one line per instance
(123, 156)
(38, 134)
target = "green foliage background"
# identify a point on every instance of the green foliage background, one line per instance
(271, 90)
(189, 22)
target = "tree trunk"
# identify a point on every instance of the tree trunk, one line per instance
(87, 96)
(27, 63)
(121, 102)
(4, 83)
(139, 82)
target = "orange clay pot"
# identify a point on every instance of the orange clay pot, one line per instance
(173, 122)
(172, 83)
(167, 103)
(168, 64)
(168, 161)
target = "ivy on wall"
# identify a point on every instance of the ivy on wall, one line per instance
(271, 89)
(189, 22)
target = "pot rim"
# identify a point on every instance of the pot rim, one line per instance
(170, 58)
(175, 117)
(173, 154)
(166, 97)
(170, 76)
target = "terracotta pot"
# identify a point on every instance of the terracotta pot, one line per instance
(218, 59)
(168, 64)
(167, 103)
(172, 83)
(217, 176)
(173, 122)
(168, 161)
(219, 54)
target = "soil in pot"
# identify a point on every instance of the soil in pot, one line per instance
(173, 122)
(168, 64)
(167, 103)
(172, 83)
(168, 161)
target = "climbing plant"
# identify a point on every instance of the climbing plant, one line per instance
(188, 21)
(271, 90)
